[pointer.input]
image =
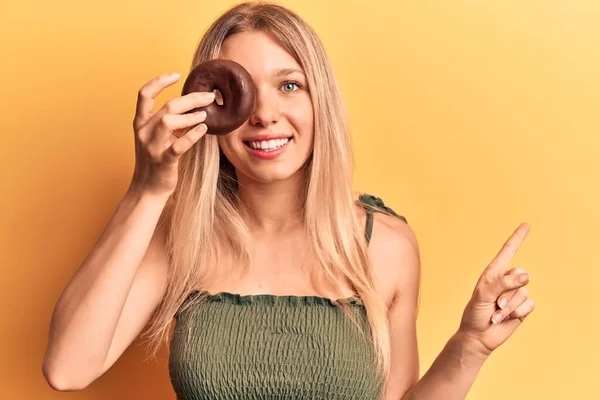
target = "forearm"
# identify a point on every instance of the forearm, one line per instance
(86, 314)
(452, 373)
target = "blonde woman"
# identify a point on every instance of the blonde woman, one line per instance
(282, 283)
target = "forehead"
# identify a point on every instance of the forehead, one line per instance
(258, 52)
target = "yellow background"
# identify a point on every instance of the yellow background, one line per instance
(469, 117)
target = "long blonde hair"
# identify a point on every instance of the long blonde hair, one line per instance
(204, 220)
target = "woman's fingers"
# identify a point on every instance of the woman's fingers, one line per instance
(523, 310)
(172, 123)
(172, 126)
(163, 123)
(146, 96)
(515, 281)
(505, 297)
(510, 248)
(183, 104)
(490, 291)
(184, 143)
(520, 296)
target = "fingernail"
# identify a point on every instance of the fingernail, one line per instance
(524, 278)
(175, 75)
(503, 302)
(497, 317)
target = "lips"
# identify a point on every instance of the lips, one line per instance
(260, 138)
(267, 154)
(266, 144)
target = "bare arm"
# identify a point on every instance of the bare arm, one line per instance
(452, 373)
(117, 288)
(111, 296)
(395, 247)
(119, 285)
(456, 367)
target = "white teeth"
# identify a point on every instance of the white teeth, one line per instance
(269, 144)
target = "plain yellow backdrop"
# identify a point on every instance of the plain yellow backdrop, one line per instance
(469, 117)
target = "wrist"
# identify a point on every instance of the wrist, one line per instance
(137, 192)
(472, 351)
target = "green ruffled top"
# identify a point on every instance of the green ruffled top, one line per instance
(275, 347)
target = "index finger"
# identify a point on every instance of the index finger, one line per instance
(147, 94)
(510, 248)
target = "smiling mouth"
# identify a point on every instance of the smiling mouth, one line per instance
(267, 145)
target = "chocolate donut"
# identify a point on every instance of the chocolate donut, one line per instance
(237, 90)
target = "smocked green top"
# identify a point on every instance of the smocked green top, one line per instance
(276, 347)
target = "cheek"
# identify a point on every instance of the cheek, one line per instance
(303, 118)
(227, 145)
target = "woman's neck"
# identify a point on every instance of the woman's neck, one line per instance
(272, 208)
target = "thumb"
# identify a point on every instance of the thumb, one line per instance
(512, 281)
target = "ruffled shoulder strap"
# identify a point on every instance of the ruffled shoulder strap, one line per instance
(372, 204)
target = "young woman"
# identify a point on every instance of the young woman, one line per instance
(282, 282)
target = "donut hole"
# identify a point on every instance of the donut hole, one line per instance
(218, 97)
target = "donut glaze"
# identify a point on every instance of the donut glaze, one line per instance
(237, 89)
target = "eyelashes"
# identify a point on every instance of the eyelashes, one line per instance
(298, 84)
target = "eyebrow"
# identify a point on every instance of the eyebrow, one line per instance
(286, 71)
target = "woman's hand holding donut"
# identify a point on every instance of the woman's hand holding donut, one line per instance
(161, 137)
(481, 323)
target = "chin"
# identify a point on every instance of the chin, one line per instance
(272, 173)
(272, 176)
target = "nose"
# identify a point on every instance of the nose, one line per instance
(266, 109)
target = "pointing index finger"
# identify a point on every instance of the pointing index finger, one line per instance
(510, 248)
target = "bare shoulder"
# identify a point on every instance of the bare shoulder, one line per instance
(394, 253)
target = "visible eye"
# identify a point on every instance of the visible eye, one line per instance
(289, 86)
